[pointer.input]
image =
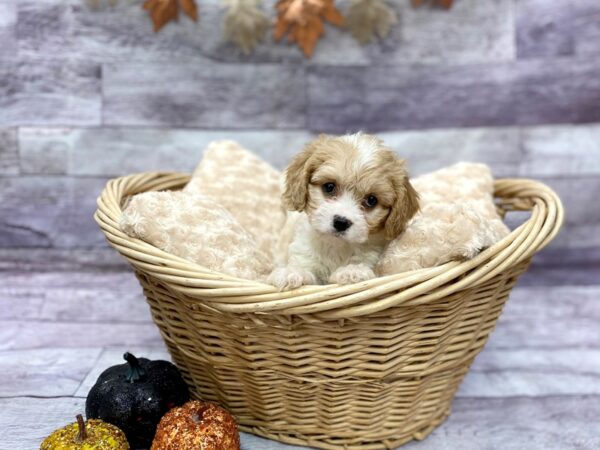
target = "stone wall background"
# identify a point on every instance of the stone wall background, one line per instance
(89, 95)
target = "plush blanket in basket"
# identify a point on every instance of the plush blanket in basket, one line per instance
(229, 217)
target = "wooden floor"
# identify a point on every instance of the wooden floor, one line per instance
(67, 315)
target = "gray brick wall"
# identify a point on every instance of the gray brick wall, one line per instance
(85, 96)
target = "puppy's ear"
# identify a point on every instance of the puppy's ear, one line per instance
(406, 204)
(297, 178)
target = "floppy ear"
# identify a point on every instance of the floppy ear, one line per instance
(405, 206)
(297, 178)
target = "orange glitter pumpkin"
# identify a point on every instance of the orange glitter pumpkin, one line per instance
(197, 425)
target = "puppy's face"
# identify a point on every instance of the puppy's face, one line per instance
(351, 187)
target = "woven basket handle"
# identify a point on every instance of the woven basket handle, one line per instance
(530, 195)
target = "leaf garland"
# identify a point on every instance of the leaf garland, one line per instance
(443, 3)
(164, 11)
(245, 24)
(367, 18)
(302, 21)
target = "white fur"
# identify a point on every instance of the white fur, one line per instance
(344, 206)
(366, 149)
(314, 256)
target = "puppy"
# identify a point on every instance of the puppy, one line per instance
(351, 195)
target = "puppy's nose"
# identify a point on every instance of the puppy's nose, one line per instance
(341, 223)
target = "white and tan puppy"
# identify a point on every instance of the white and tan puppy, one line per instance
(351, 194)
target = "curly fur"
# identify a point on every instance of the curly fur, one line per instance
(458, 219)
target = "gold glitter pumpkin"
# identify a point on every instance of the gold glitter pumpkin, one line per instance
(197, 425)
(91, 435)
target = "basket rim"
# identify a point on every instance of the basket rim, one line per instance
(235, 295)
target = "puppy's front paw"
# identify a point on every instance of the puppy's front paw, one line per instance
(352, 273)
(288, 278)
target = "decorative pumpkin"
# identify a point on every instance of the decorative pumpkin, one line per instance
(197, 425)
(134, 396)
(91, 435)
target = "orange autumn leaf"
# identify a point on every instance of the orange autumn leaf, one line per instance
(189, 7)
(333, 15)
(280, 29)
(302, 21)
(161, 12)
(295, 12)
(164, 11)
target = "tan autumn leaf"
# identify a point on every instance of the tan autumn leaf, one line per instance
(367, 18)
(302, 20)
(189, 7)
(245, 24)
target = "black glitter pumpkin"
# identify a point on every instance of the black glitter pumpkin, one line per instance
(134, 396)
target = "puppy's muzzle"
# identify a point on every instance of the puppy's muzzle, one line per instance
(341, 224)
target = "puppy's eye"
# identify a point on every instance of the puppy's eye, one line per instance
(370, 201)
(329, 188)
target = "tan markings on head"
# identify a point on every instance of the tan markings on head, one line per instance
(346, 159)
(406, 202)
(358, 164)
(299, 173)
(366, 147)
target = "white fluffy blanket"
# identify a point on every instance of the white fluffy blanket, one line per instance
(229, 216)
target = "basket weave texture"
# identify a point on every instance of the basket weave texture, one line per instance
(367, 366)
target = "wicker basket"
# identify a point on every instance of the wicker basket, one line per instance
(366, 366)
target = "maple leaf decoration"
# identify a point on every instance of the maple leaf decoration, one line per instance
(163, 11)
(302, 21)
(443, 3)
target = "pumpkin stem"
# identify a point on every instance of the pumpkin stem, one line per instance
(135, 372)
(82, 436)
